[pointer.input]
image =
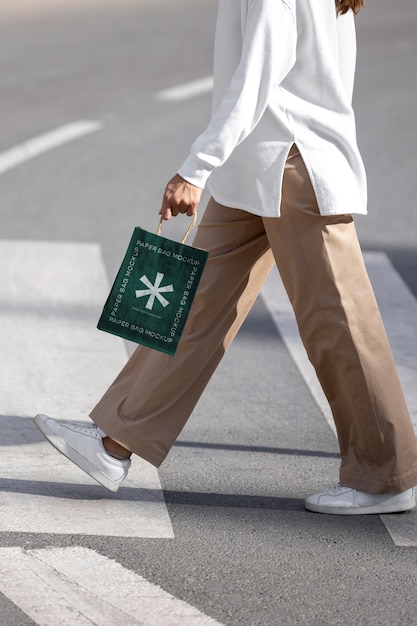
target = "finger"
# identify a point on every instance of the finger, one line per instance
(165, 212)
(174, 210)
(184, 206)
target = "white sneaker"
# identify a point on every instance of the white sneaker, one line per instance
(83, 445)
(341, 500)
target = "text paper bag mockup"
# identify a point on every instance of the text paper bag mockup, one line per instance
(153, 291)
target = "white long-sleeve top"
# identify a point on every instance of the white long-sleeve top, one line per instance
(283, 74)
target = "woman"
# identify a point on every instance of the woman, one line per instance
(280, 159)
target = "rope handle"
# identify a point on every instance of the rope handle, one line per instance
(190, 228)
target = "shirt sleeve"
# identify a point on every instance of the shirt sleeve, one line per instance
(268, 53)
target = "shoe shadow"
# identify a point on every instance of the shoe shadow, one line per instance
(77, 491)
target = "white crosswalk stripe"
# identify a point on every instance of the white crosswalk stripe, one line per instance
(57, 362)
(43, 143)
(68, 586)
(399, 311)
(186, 91)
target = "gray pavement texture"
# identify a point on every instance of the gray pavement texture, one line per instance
(245, 552)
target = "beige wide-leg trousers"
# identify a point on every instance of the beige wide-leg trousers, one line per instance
(322, 268)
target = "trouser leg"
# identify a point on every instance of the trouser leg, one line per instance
(322, 268)
(150, 401)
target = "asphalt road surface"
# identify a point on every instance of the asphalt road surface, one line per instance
(99, 102)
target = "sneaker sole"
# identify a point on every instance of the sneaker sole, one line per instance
(71, 454)
(380, 509)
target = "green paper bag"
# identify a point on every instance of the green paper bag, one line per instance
(152, 295)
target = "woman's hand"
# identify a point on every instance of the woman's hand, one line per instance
(180, 197)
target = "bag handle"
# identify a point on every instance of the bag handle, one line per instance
(190, 228)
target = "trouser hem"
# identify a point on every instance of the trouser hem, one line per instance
(153, 457)
(380, 485)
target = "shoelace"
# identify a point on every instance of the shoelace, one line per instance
(88, 429)
(338, 489)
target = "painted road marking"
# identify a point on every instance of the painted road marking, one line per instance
(43, 143)
(186, 91)
(67, 586)
(56, 361)
(399, 311)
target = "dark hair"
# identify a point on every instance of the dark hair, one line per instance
(343, 6)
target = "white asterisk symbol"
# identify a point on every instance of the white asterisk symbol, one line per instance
(154, 291)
